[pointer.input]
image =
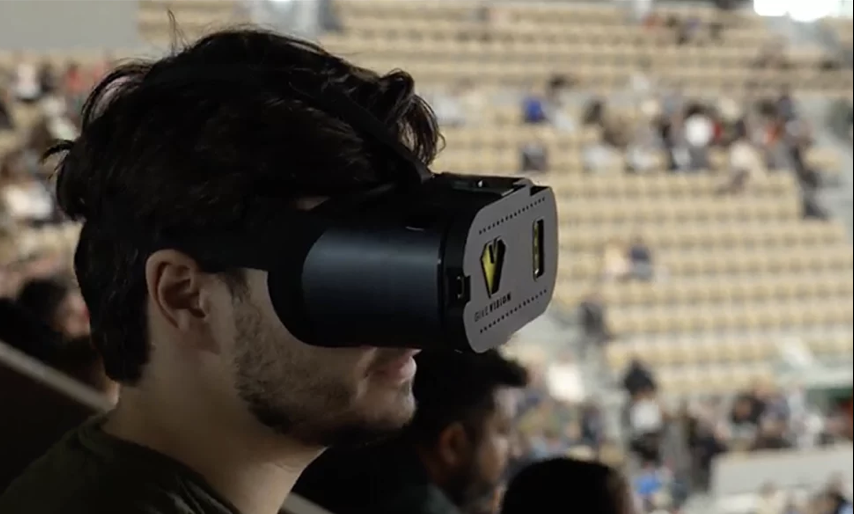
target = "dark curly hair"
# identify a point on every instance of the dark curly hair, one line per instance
(181, 152)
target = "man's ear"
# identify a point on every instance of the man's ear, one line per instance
(174, 282)
(454, 446)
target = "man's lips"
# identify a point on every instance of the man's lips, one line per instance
(398, 368)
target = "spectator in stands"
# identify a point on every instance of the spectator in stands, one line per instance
(687, 30)
(550, 442)
(74, 86)
(615, 261)
(786, 107)
(729, 115)
(744, 420)
(594, 321)
(649, 484)
(672, 131)
(47, 79)
(554, 486)
(25, 199)
(745, 163)
(672, 101)
(534, 110)
(643, 150)
(574, 441)
(638, 378)
(6, 120)
(772, 435)
(549, 108)
(57, 121)
(594, 113)
(777, 142)
(26, 85)
(535, 158)
(600, 156)
(699, 132)
(221, 407)
(453, 454)
(706, 440)
(449, 107)
(641, 260)
(642, 83)
(646, 423)
(592, 424)
(604, 154)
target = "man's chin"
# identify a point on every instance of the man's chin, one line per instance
(359, 436)
(382, 425)
(386, 419)
(389, 403)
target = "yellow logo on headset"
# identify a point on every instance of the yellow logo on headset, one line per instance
(492, 263)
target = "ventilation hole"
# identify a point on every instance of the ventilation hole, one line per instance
(512, 311)
(510, 216)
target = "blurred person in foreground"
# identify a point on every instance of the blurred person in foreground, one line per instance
(221, 407)
(57, 305)
(563, 485)
(451, 459)
(60, 324)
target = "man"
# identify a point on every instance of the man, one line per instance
(57, 304)
(221, 407)
(638, 378)
(646, 425)
(449, 460)
(593, 320)
(640, 256)
(551, 486)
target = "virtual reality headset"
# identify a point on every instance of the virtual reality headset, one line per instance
(425, 261)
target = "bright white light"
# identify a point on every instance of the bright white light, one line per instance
(798, 10)
(811, 10)
(771, 7)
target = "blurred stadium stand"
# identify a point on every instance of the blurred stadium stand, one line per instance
(745, 289)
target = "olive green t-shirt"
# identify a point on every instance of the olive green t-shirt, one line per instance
(91, 472)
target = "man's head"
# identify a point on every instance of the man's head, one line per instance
(464, 421)
(56, 305)
(166, 148)
(546, 487)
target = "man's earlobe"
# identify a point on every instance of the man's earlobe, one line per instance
(174, 284)
(454, 445)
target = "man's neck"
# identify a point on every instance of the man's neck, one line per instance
(245, 463)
